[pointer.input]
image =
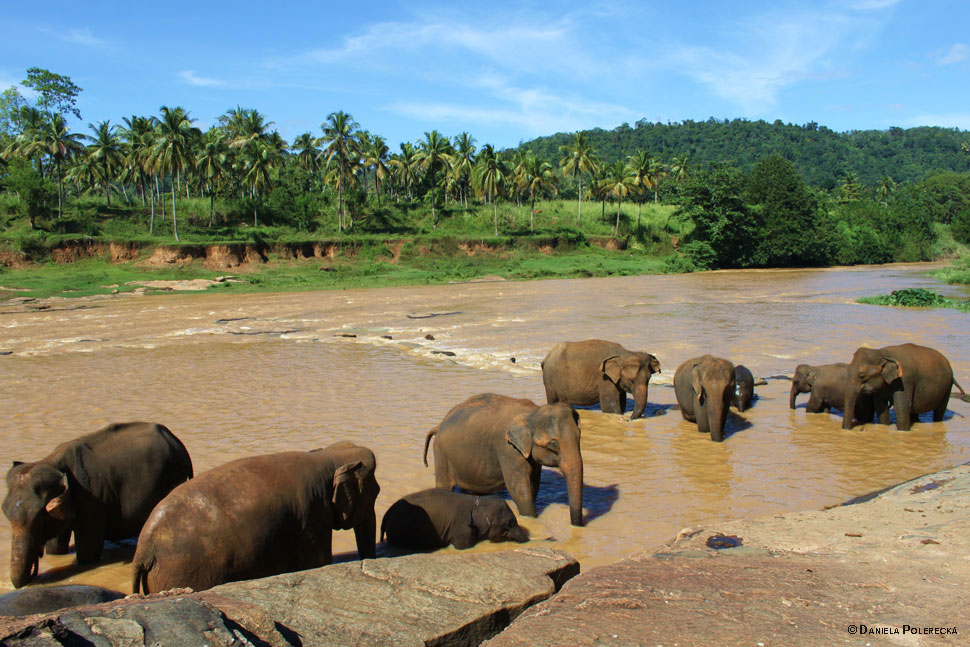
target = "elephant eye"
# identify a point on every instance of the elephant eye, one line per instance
(553, 445)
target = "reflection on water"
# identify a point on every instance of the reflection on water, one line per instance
(234, 376)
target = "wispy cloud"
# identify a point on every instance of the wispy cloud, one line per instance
(869, 5)
(956, 54)
(80, 36)
(188, 76)
(959, 120)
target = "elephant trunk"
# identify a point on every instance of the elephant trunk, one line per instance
(848, 411)
(364, 533)
(571, 465)
(639, 400)
(24, 559)
(717, 412)
(794, 394)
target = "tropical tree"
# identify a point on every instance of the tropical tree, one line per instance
(307, 153)
(341, 149)
(433, 155)
(578, 159)
(105, 151)
(212, 163)
(657, 172)
(56, 141)
(851, 188)
(260, 160)
(885, 189)
(172, 150)
(680, 168)
(407, 164)
(617, 183)
(535, 175)
(638, 170)
(462, 163)
(375, 156)
(490, 175)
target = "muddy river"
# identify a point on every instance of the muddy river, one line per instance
(234, 376)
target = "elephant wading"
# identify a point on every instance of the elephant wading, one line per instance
(492, 442)
(912, 379)
(705, 390)
(828, 385)
(437, 517)
(99, 486)
(743, 388)
(256, 517)
(594, 371)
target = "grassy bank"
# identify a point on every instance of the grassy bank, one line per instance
(916, 298)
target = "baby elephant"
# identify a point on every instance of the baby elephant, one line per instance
(743, 387)
(437, 517)
(828, 385)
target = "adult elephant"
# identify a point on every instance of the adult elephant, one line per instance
(100, 486)
(595, 371)
(437, 517)
(912, 379)
(828, 385)
(705, 390)
(258, 516)
(492, 442)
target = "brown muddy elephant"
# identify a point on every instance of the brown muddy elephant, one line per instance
(492, 442)
(588, 372)
(258, 516)
(910, 378)
(743, 388)
(436, 517)
(705, 390)
(100, 486)
(828, 385)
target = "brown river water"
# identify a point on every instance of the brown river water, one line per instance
(234, 376)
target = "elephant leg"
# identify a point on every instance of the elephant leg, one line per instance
(703, 421)
(903, 403)
(882, 410)
(815, 404)
(864, 410)
(612, 399)
(518, 481)
(551, 396)
(442, 471)
(535, 478)
(89, 543)
(59, 545)
(365, 533)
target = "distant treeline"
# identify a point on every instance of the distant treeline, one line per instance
(821, 156)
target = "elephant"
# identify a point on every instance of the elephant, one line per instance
(437, 517)
(33, 600)
(743, 387)
(258, 516)
(595, 371)
(99, 486)
(910, 378)
(705, 390)
(492, 442)
(828, 385)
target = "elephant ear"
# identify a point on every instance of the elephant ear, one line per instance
(61, 507)
(695, 383)
(610, 367)
(77, 460)
(519, 435)
(345, 493)
(812, 376)
(891, 370)
(654, 364)
(629, 368)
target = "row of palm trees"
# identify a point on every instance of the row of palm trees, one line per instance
(242, 155)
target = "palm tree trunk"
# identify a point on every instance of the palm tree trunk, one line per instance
(212, 204)
(151, 223)
(340, 208)
(579, 217)
(495, 215)
(175, 220)
(532, 213)
(616, 227)
(639, 207)
(60, 190)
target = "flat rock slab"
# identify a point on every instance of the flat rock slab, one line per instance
(879, 569)
(414, 600)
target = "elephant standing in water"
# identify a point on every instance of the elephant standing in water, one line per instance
(594, 371)
(829, 386)
(743, 387)
(100, 486)
(437, 517)
(705, 390)
(258, 516)
(492, 442)
(910, 378)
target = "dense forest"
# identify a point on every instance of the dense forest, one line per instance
(715, 193)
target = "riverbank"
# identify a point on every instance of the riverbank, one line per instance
(889, 568)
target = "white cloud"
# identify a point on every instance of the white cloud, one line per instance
(189, 77)
(869, 5)
(959, 120)
(956, 54)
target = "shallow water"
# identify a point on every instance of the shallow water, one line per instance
(234, 376)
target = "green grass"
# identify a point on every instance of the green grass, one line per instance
(958, 272)
(916, 298)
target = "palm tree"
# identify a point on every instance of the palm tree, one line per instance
(376, 155)
(260, 160)
(535, 175)
(306, 152)
(638, 168)
(462, 162)
(172, 149)
(680, 168)
(60, 144)
(490, 175)
(407, 164)
(212, 163)
(850, 188)
(657, 173)
(886, 187)
(618, 183)
(105, 151)
(579, 158)
(342, 150)
(433, 154)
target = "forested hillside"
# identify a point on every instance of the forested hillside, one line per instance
(822, 156)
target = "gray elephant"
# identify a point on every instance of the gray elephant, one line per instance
(828, 385)
(33, 600)
(437, 517)
(743, 388)
(910, 378)
(492, 442)
(705, 390)
(258, 516)
(588, 372)
(99, 486)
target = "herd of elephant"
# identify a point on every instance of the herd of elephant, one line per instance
(275, 513)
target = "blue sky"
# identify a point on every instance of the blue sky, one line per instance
(504, 71)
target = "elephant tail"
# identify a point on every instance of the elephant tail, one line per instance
(139, 578)
(963, 394)
(427, 442)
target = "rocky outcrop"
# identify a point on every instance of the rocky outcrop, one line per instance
(893, 570)
(417, 600)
